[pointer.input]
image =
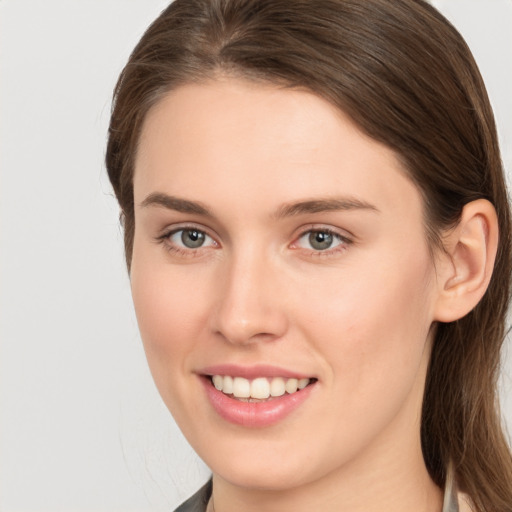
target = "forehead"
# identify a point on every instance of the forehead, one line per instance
(265, 144)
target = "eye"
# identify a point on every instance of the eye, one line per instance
(189, 238)
(321, 240)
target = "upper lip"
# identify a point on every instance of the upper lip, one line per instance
(252, 372)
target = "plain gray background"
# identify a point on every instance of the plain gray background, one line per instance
(81, 425)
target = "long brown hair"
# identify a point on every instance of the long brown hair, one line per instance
(403, 73)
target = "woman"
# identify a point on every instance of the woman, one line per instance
(318, 238)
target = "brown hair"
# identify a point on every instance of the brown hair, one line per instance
(404, 74)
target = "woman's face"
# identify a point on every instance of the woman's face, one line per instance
(274, 241)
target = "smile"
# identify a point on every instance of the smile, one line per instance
(260, 388)
(255, 397)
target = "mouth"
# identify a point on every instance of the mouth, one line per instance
(259, 389)
(256, 397)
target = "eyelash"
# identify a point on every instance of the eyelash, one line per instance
(165, 240)
(344, 242)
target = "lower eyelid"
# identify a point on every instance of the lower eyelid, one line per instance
(165, 238)
(179, 248)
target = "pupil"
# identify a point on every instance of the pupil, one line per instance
(192, 238)
(320, 240)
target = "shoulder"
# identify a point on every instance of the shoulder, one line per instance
(199, 501)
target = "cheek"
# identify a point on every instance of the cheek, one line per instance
(171, 315)
(374, 326)
(169, 308)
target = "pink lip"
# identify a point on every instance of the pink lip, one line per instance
(254, 414)
(251, 372)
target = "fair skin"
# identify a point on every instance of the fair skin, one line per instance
(233, 264)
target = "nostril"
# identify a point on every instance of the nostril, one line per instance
(240, 332)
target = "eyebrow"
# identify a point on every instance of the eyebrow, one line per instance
(323, 205)
(175, 203)
(287, 210)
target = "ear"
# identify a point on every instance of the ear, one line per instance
(465, 268)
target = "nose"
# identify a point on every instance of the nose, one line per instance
(249, 305)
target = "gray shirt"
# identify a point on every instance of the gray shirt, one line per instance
(199, 501)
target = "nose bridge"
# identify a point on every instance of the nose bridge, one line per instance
(248, 307)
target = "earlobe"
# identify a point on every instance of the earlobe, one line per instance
(464, 274)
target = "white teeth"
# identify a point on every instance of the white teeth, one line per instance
(218, 382)
(241, 387)
(227, 386)
(261, 388)
(302, 383)
(277, 387)
(291, 385)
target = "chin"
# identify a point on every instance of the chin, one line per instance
(262, 466)
(255, 477)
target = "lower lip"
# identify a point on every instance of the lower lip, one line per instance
(254, 414)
